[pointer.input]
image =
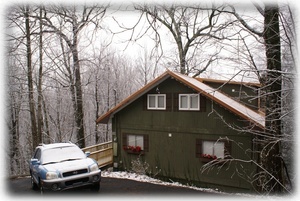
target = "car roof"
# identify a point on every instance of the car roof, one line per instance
(56, 145)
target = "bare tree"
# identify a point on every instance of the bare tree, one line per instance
(109, 77)
(40, 120)
(191, 27)
(15, 99)
(38, 105)
(36, 137)
(17, 89)
(270, 155)
(76, 18)
(147, 66)
(271, 175)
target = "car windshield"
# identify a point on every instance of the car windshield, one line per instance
(60, 154)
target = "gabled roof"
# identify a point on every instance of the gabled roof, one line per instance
(207, 91)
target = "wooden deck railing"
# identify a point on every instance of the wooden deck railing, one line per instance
(102, 153)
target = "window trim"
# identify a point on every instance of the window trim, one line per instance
(199, 149)
(156, 102)
(135, 140)
(214, 149)
(188, 108)
(133, 149)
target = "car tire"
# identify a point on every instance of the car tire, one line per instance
(34, 186)
(95, 187)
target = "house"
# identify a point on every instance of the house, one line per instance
(179, 125)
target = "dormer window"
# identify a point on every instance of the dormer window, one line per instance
(189, 102)
(156, 102)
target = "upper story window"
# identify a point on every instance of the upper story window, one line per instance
(156, 102)
(189, 102)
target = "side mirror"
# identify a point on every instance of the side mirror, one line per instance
(87, 153)
(34, 161)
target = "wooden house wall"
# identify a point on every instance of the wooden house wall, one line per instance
(172, 137)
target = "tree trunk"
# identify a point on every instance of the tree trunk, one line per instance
(79, 115)
(40, 81)
(183, 67)
(14, 133)
(272, 179)
(35, 137)
(97, 108)
(47, 138)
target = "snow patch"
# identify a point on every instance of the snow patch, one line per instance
(145, 178)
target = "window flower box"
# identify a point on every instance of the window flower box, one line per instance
(207, 157)
(134, 150)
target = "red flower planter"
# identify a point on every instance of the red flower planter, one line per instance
(133, 149)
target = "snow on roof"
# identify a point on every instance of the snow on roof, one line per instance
(209, 80)
(223, 100)
(197, 85)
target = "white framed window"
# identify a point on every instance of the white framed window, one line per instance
(189, 102)
(136, 141)
(211, 149)
(156, 102)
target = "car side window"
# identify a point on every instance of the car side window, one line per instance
(37, 154)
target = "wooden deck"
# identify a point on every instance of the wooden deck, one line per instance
(102, 153)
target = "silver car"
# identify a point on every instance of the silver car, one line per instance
(61, 166)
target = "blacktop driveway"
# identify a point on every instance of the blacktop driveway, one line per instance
(20, 187)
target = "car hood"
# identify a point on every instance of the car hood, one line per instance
(69, 165)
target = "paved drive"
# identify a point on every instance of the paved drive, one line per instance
(109, 186)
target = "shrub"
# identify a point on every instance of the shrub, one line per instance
(139, 167)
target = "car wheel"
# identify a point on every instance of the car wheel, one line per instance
(34, 186)
(95, 187)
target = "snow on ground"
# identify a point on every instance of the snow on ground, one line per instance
(145, 178)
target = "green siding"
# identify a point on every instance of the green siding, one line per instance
(175, 156)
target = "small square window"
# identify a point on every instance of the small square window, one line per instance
(189, 102)
(213, 149)
(208, 149)
(135, 141)
(156, 102)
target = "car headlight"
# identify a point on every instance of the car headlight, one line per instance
(94, 167)
(51, 175)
